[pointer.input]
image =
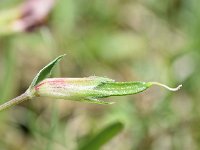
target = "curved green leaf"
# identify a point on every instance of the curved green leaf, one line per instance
(45, 72)
(103, 137)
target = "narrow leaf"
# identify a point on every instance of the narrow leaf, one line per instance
(45, 72)
(120, 88)
(103, 137)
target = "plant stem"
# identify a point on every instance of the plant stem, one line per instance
(15, 101)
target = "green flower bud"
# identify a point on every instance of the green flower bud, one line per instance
(87, 89)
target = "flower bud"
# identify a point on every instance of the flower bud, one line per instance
(90, 88)
(70, 88)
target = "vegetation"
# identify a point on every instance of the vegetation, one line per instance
(78, 89)
(124, 40)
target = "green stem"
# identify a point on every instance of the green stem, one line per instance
(15, 101)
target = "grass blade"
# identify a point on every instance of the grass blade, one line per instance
(103, 137)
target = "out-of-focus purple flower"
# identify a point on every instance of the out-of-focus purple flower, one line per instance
(33, 14)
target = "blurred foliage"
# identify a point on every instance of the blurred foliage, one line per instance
(103, 137)
(127, 40)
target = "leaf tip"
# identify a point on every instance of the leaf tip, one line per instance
(178, 87)
(167, 87)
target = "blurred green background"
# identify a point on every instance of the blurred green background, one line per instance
(126, 40)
